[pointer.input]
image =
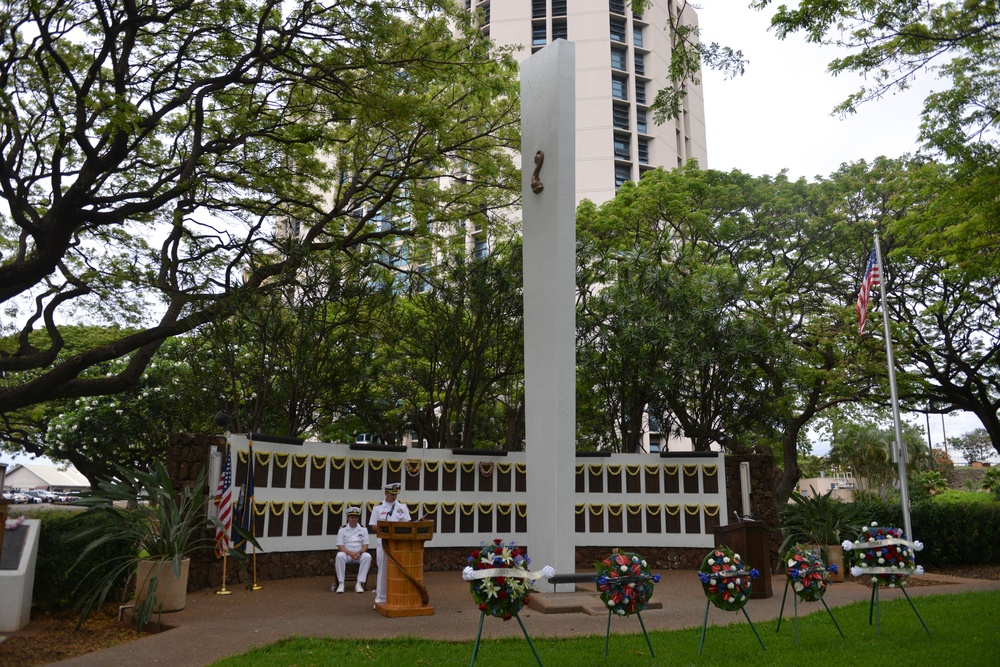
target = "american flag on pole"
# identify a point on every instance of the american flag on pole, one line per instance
(224, 499)
(873, 277)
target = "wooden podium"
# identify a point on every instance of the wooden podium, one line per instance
(403, 542)
(750, 540)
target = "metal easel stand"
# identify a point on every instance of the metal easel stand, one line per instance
(704, 625)
(795, 606)
(607, 636)
(874, 606)
(479, 634)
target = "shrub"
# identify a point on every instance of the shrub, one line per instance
(956, 528)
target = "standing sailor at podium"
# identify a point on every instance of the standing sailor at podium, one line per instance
(389, 510)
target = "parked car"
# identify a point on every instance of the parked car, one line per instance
(15, 497)
(37, 496)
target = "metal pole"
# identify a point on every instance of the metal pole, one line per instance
(900, 449)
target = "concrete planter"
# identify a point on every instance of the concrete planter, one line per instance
(171, 590)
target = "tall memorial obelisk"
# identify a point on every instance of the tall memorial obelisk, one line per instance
(548, 184)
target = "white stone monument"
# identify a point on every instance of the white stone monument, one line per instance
(548, 184)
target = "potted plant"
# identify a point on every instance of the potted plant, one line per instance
(159, 527)
(821, 520)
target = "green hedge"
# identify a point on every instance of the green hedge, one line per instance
(56, 580)
(957, 528)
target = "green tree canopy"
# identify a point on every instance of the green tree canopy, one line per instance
(161, 162)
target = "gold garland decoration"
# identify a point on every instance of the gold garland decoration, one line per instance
(277, 460)
(413, 467)
(596, 509)
(522, 509)
(504, 468)
(615, 510)
(712, 510)
(468, 466)
(505, 508)
(615, 469)
(580, 508)
(450, 466)
(303, 457)
(263, 458)
(357, 463)
(672, 510)
(520, 467)
(486, 508)
(633, 509)
(292, 505)
(376, 464)
(277, 509)
(595, 468)
(486, 468)
(317, 509)
(654, 510)
(335, 507)
(449, 508)
(467, 508)
(399, 465)
(432, 466)
(241, 456)
(430, 508)
(338, 462)
(691, 469)
(691, 510)
(579, 468)
(710, 470)
(632, 469)
(260, 508)
(319, 461)
(670, 469)
(653, 469)
(371, 504)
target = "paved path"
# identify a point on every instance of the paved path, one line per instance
(212, 626)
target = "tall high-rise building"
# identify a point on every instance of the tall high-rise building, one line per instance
(622, 60)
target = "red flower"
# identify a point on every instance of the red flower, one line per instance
(507, 617)
(497, 540)
(482, 607)
(502, 595)
(527, 599)
(499, 580)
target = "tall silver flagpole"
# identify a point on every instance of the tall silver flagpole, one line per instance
(899, 449)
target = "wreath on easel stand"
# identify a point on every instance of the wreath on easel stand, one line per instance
(500, 583)
(727, 584)
(626, 587)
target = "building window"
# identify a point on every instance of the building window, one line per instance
(538, 34)
(619, 58)
(642, 150)
(640, 64)
(622, 148)
(619, 113)
(619, 87)
(640, 92)
(640, 121)
(617, 6)
(623, 172)
(637, 36)
(479, 247)
(617, 29)
(537, 9)
(559, 30)
(558, 7)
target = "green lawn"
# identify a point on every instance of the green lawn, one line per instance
(963, 634)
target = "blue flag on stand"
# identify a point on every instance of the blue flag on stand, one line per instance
(243, 517)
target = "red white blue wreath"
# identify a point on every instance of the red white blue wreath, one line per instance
(807, 573)
(725, 580)
(625, 583)
(884, 554)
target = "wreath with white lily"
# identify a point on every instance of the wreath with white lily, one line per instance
(726, 581)
(807, 573)
(625, 583)
(499, 579)
(884, 554)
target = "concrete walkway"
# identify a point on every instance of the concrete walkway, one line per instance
(212, 626)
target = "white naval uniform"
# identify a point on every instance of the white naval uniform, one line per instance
(394, 511)
(352, 539)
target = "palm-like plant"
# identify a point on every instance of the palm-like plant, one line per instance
(990, 481)
(143, 512)
(820, 519)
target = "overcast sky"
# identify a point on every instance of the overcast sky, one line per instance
(777, 115)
